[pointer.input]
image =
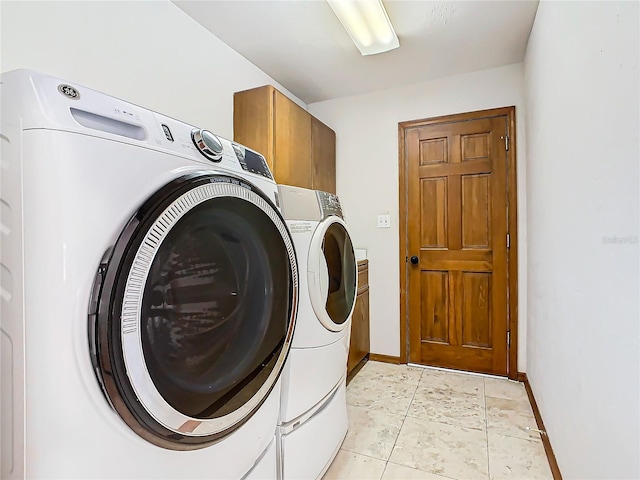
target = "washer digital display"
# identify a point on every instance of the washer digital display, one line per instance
(252, 162)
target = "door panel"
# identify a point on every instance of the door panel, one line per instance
(475, 147)
(433, 151)
(433, 193)
(476, 309)
(435, 308)
(457, 225)
(476, 211)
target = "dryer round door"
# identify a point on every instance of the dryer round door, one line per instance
(332, 273)
(193, 313)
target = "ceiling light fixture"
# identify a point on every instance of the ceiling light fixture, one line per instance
(367, 24)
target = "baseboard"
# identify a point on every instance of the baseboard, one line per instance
(555, 470)
(376, 357)
(357, 368)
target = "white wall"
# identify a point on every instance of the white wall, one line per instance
(147, 52)
(367, 175)
(583, 108)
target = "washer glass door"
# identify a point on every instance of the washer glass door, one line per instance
(203, 291)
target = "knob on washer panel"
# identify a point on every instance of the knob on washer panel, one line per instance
(207, 144)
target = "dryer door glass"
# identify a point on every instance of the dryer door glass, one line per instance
(197, 310)
(341, 268)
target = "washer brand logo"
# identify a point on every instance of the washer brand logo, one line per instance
(69, 91)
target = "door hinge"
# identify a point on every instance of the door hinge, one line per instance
(508, 338)
(508, 241)
(506, 142)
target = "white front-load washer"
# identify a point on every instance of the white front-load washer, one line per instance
(149, 292)
(313, 416)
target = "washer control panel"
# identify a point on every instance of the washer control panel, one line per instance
(251, 161)
(329, 203)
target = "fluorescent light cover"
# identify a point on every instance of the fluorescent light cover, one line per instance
(367, 24)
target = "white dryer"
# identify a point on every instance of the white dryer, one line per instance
(149, 292)
(313, 416)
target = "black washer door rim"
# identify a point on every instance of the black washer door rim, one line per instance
(132, 349)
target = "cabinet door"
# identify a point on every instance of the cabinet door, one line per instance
(359, 342)
(292, 143)
(253, 120)
(323, 155)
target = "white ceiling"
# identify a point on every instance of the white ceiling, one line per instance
(302, 44)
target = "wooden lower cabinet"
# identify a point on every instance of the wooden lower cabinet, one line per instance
(359, 344)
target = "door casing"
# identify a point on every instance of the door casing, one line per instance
(512, 225)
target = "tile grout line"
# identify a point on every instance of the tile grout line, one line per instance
(395, 441)
(403, 420)
(486, 424)
(443, 477)
(385, 469)
(362, 454)
(430, 421)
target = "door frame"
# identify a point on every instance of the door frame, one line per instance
(512, 225)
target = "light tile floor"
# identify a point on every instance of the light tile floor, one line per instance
(424, 424)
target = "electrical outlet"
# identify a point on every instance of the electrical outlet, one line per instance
(384, 221)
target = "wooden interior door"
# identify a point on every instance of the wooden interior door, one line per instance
(456, 239)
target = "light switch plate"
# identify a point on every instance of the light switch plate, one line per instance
(384, 221)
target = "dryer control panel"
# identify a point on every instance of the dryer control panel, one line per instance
(329, 203)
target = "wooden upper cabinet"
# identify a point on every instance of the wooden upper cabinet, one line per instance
(323, 156)
(292, 135)
(299, 148)
(253, 119)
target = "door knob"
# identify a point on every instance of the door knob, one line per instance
(414, 260)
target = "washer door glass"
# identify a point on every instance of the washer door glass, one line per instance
(341, 273)
(201, 290)
(212, 323)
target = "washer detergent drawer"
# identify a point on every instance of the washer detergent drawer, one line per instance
(310, 375)
(307, 452)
